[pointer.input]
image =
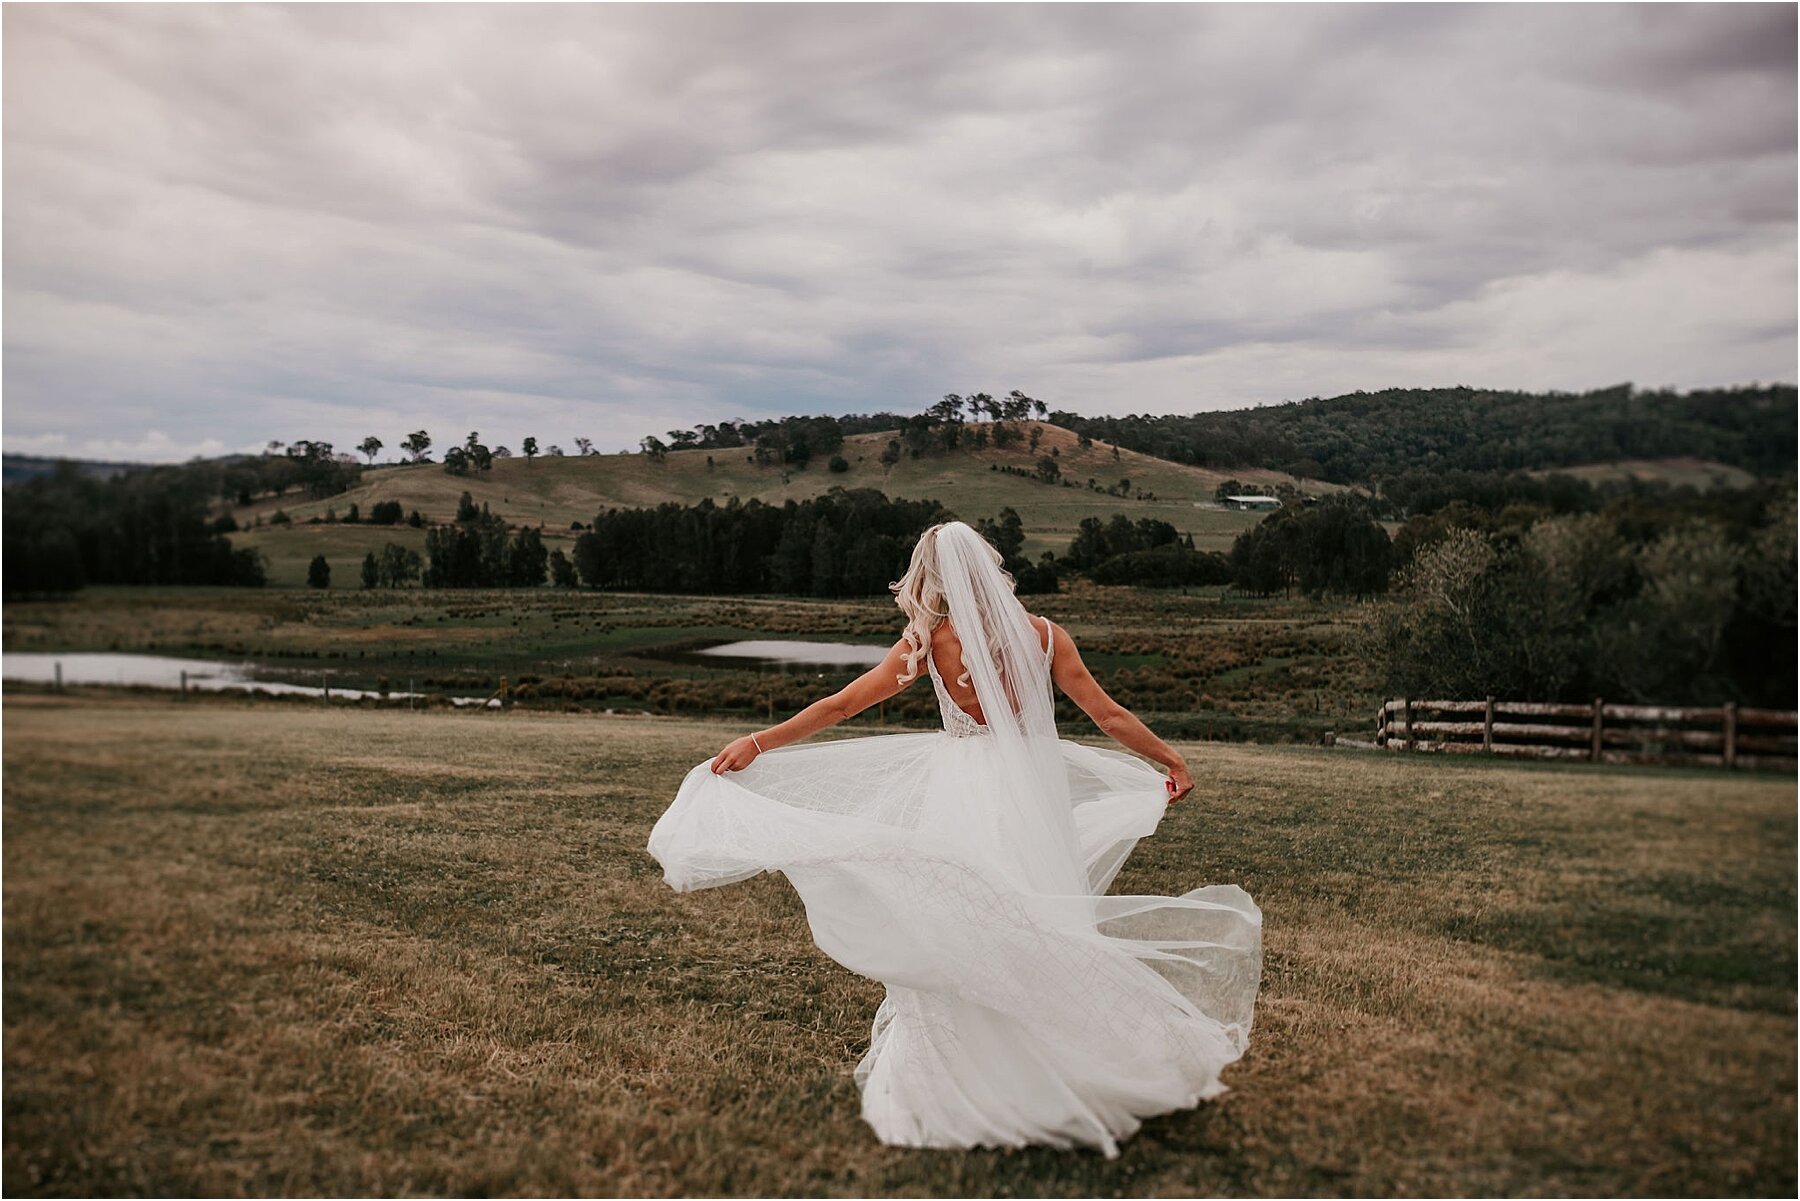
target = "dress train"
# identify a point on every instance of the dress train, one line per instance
(1022, 1008)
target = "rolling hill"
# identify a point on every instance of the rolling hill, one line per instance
(555, 492)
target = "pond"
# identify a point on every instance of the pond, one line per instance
(167, 671)
(783, 655)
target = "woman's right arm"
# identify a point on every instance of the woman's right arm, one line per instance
(1115, 720)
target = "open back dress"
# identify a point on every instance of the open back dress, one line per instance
(1024, 1005)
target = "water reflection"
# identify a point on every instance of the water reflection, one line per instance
(167, 671)
(785, 655)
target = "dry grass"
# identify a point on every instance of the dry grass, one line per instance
(1676, 471)
(256, 949)
(556, 491)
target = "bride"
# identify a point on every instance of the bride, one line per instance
(966, 871)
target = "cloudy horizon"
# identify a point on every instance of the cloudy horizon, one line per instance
(231, 224)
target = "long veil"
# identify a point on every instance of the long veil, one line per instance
(1003, 654)
(969, 874)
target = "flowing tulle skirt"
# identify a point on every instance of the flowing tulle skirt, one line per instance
(1013, 1015)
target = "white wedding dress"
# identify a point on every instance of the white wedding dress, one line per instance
(1022, 1005)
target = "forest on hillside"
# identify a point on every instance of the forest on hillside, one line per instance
(1367, 436)
(1362, 437)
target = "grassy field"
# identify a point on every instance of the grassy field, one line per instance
(254, 948)
(557, 491)
(288, 550)
(1700, 474)
(1197, 662)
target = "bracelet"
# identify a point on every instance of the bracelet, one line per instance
(759, 749)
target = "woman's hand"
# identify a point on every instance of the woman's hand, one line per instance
(1179, 783)
(736, 756)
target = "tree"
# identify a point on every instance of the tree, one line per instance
(583, 446)
(562, 571)
(890, 455)
(456, 461)
(371, 446)
(654, 448)
(526, 559)
(371, 571)
(318, 573)
(838, 464)
(466, 510)
(398, 566)
(530, 449)
(416, 444)
(554, 451)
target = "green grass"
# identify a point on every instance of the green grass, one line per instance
(1197, 663)
(260, 949)
(288, 550)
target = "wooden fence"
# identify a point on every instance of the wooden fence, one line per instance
(1726, 736)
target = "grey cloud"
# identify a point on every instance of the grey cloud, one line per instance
(224, 220)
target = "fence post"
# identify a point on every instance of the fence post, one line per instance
(1381, 724)
(1594, 752)
(183, 682)
(325, 690)
(1487, 728)
(1730, 735)
(59, 676)
(1411, 743)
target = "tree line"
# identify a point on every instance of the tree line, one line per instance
(1367, 436)
(65, 530)
(478, 551)
(848, 542)
(1641, 601)
(1361, 437)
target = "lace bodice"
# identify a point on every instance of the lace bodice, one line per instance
(957, 723)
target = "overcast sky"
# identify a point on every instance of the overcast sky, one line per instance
(226, 224)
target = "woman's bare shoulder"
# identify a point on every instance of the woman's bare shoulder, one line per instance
(1049, 629)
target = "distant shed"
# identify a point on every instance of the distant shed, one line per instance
(1253, 502)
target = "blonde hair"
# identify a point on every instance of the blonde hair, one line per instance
(920, 595)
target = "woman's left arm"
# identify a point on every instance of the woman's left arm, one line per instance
(874, 685)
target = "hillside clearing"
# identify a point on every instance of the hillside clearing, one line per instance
(557, 491)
